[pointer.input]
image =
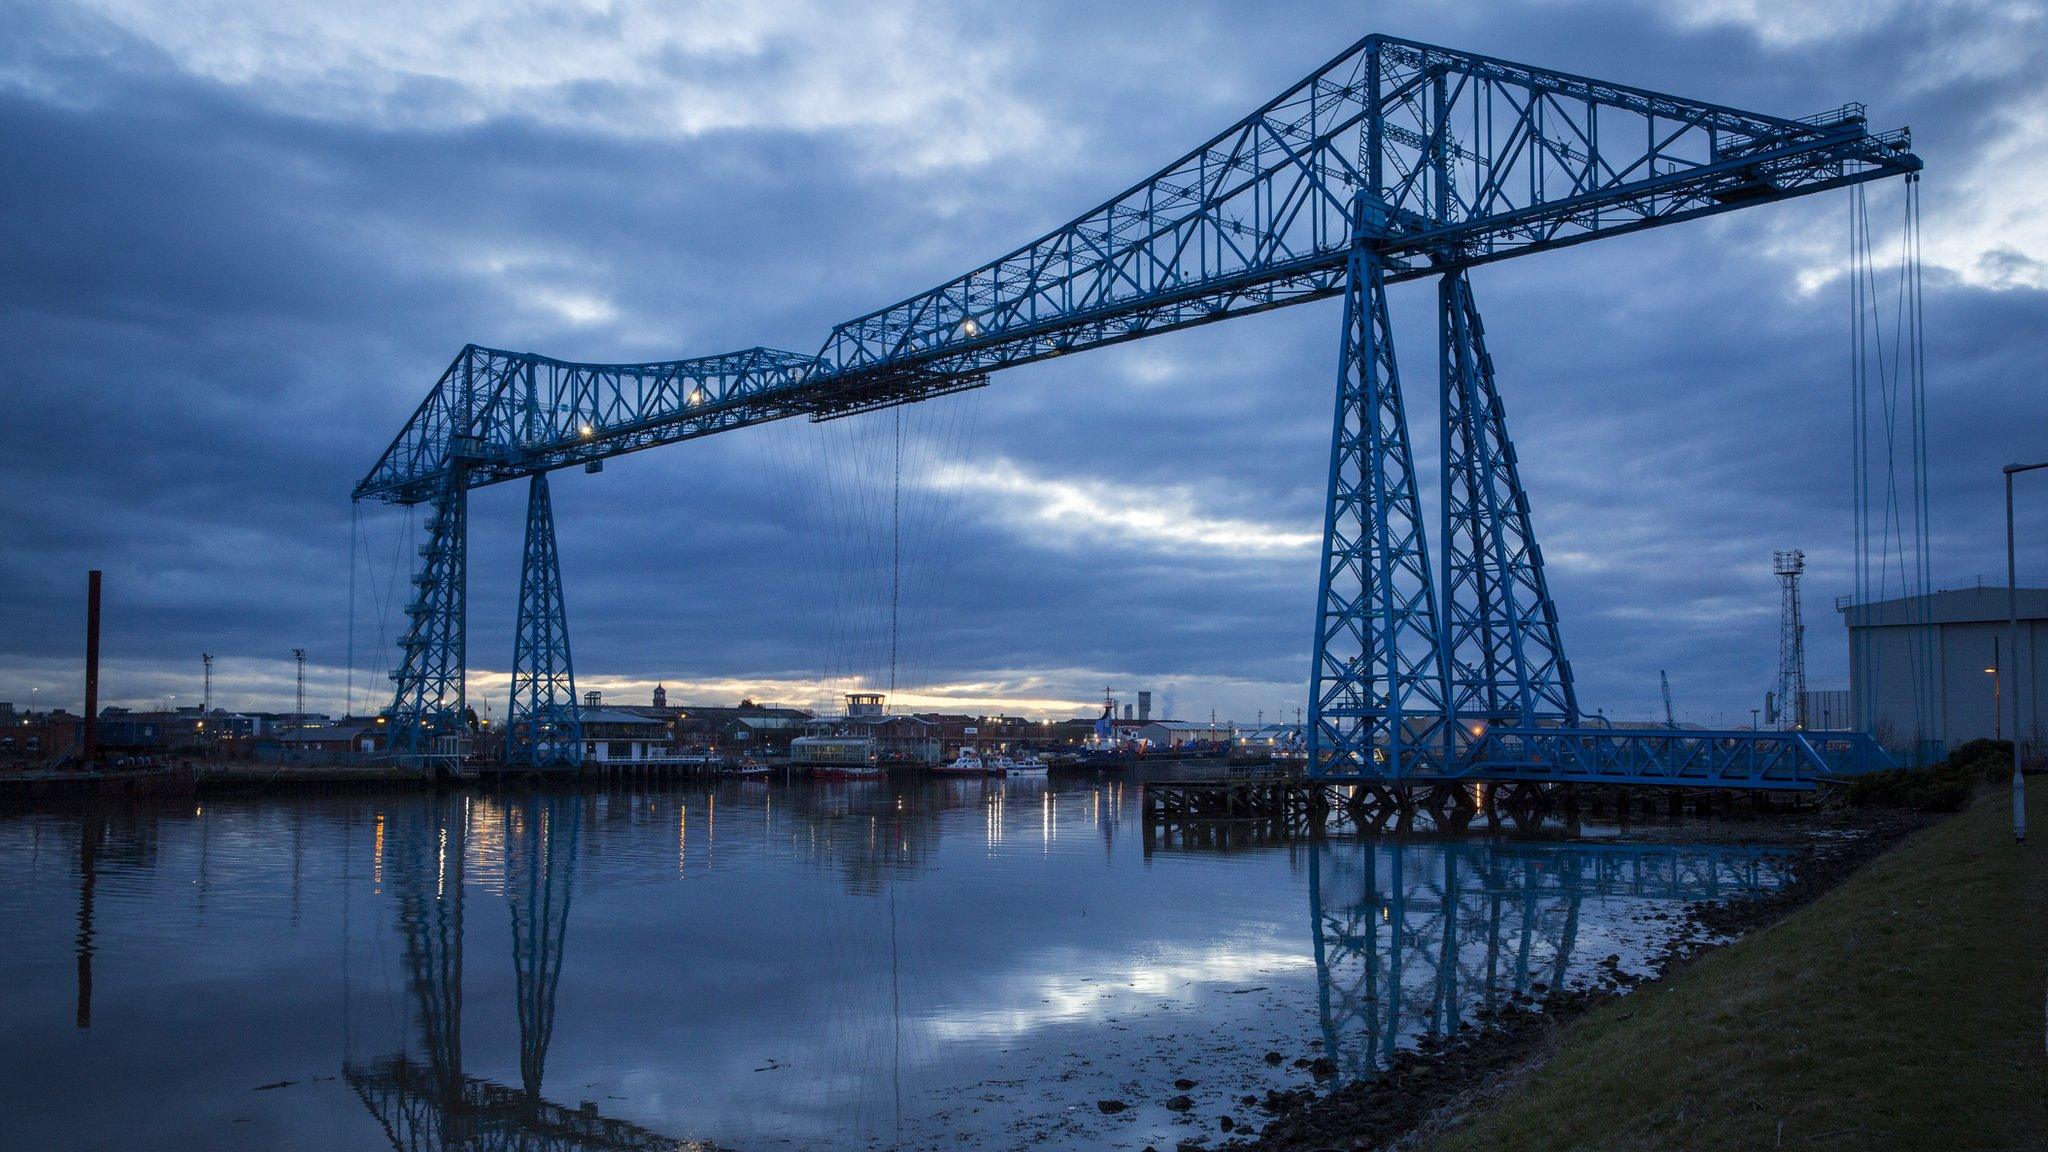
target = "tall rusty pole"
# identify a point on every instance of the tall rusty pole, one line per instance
(92, 667)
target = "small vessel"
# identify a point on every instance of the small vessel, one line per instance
(1028, 764)
(837, 757)
(747, 766)
(849, 772)
(968, 763)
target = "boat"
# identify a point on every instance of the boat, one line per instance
(747, 766)
(848, 772)
(836, 757)
(1028, 764)
(968, 763)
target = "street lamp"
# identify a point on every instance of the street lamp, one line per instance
(1997, 709)
(2012, 623)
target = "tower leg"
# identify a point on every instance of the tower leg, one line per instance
(540, 869)
(543, 726)
(1376, 688)
(429, 714)
(1503, 655)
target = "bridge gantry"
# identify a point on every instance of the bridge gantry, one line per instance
(1395, 161)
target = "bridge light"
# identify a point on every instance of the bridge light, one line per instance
(588, 431)
(969, 328)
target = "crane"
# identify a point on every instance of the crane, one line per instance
(1664, 682)
(1395, 161)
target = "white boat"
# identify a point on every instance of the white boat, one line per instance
(1027, 765)
(968, 763)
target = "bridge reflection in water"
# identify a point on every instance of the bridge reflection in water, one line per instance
(1413, 937)
(424, 1100)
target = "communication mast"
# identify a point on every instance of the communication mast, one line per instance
(1791, 696)
(206, 684)
(299, 707)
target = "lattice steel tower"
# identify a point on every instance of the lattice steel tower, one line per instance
(1789, 564)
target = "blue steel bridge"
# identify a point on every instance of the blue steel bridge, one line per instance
(1395, 161)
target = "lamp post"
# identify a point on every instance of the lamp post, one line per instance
(2012, 624)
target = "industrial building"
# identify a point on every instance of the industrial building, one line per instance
(1170, 734)
(1953, 648)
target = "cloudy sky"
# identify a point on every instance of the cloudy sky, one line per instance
(239, 241)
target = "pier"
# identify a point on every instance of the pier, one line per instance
(1254, 809)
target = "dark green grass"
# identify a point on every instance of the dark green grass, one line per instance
(1903, 1009)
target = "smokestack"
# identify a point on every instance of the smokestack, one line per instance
(1144, 706)
(92, 666)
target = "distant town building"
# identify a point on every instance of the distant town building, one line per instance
(1953, 656)
(348, 737)
(37, 736)
(189, 730)
(625, 736)
(1174, 733)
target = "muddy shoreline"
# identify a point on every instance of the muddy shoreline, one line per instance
(1431, 1088)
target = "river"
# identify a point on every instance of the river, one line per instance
(954, 964)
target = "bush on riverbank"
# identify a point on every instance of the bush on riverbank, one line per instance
(1946, 787)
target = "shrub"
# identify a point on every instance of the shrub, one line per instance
(1945, 787)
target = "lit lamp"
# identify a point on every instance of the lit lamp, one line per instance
(1997, 692)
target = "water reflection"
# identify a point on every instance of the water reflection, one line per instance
(967, 963)
(1411, 938)
(427, 1102)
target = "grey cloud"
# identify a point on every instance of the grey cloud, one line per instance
(219, 312)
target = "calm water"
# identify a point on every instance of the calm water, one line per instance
(828, 966)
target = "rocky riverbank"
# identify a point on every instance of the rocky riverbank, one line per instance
(1432, 1087)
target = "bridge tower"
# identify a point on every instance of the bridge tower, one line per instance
(1376, 691)
(544, 728)
(1505, 659)
(429, 719)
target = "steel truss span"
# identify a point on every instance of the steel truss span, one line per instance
(1394, 161)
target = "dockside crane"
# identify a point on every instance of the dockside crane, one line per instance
(1395, 161)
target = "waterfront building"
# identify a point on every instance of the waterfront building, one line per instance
(1950, 646)
(625, 736)
(1174, 733)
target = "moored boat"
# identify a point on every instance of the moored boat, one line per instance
(848, 772)
(968, 763)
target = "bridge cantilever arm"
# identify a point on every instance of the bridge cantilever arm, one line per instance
(1470, 159)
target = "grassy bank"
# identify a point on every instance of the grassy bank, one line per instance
(1904, 1009)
